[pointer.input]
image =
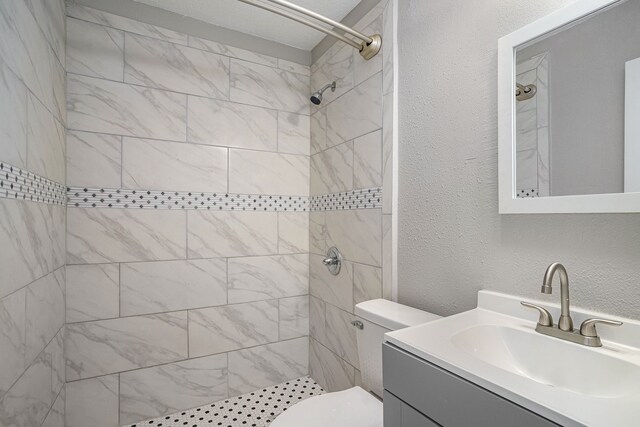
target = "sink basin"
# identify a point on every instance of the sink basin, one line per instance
(551, 361)
(496, 347)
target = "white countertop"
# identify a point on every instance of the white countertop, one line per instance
(433, 342)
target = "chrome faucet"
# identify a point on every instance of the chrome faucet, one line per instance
(565, 323)
(587, 335)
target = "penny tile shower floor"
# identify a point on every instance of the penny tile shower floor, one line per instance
(255, 409)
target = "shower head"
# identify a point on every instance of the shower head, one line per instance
(316, 97)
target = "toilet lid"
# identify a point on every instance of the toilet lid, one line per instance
(350, 408)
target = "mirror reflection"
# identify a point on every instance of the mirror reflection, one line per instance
(578, 107)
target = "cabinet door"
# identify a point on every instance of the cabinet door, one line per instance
(399, 414)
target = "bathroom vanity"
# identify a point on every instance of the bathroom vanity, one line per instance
(490, 367)
(448, 398)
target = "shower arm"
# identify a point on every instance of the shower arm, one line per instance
(368, 48)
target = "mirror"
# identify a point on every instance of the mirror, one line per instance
(570, 111)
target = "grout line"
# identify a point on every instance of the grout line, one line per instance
(186, 359)
(188, 43)
(178, 311)
(119, 409)
(138, 85)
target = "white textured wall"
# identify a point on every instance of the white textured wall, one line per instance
(452, 242)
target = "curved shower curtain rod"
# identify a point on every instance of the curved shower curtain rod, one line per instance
(368, 47)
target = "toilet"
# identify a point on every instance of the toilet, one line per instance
(357, 407)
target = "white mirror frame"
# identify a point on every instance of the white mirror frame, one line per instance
(509, 204)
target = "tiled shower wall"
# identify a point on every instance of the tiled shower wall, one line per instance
(351, 149)
(181, 293)
(32, 220)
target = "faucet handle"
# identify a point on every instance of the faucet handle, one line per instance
(588, 327)
(545, 318)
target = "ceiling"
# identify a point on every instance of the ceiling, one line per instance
(235, 15)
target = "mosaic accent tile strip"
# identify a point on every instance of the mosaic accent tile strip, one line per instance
(20, 184)
(370, 198)
(527, 194)
(255, 409)
(152, 199)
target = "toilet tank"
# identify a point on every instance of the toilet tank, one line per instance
(380, 316)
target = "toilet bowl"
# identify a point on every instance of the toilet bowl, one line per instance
(349, 408)
(358, 406)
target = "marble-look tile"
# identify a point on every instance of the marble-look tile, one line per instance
(54, 352)
(362, 68)
(387, 257)
(341, 335)
(367, 283)
(93, 160)
(319, 131)
(33, 241)
(388, 35)
(25, 50)
(176, 166)
(229, 233)
(75, 10)
(93, 292)
(165, 389)
(317, 319)
(29, 400)
(228, 124)
(338, 68)
(527, 169)
(266, 365)
(370, 16)
(358, 234)
(46, 142)
(103, 106)
(331, 372)
(293, 232)
(153, 287)
(332, 170)
(294, 317)
(261, 278)
(336, 290)
(358, 380)
(317, 233)
(543, 162)
(124, 235)
(356, 113)
(12, 338)
(95, 50)
(92, 402)
(269, 87)
(13, 118)
(259, 172)
(162, 65)
(45, 312)
(367, 160)
(232, 327)
(109, 346)
(387, 154)
(294, 133)
(283, 64)
(233, 52)
(58, 87)
(56, 416)
(50, 16)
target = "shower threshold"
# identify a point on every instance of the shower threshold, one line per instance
(256, 409)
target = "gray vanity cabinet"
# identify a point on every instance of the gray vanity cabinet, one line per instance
(420, 394)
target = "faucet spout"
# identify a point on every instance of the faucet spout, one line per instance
(565, 323)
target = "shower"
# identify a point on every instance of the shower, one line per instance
(316, 97)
